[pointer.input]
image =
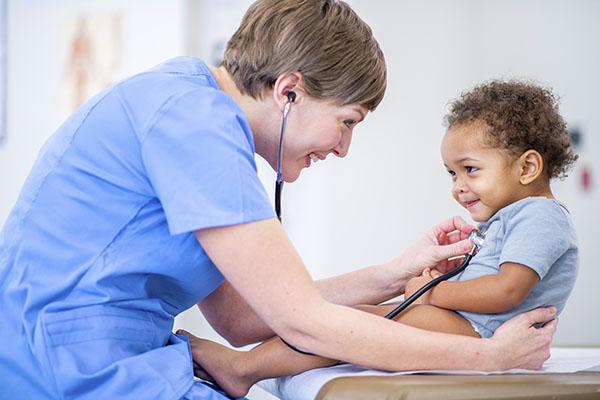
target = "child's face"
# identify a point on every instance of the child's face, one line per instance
(484, 179)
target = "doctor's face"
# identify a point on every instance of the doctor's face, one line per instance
(315, 129)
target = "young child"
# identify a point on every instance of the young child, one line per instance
(504, 143)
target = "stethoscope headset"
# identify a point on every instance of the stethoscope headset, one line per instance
(291, 96)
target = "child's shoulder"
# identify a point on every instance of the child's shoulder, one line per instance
(539, 221)
(540, 208)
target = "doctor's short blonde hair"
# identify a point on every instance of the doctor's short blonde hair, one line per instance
(324, 40)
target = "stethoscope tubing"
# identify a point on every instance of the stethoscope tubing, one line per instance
(279, 178)
(431, 284)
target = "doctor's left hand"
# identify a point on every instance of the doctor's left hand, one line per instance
(445, 240)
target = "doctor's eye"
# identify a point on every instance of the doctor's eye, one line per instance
(349, 123)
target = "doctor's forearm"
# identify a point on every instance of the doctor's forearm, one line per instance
(349, 335)
(370, 285)
(240, 325)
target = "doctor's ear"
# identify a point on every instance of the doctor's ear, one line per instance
(288, 87)
(531, 164)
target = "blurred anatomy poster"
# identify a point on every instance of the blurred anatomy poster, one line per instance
(3, 67)
(93, 58)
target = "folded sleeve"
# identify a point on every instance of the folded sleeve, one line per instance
(536, 236)
(199, 158)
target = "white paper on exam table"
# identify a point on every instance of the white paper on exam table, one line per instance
(307, 385)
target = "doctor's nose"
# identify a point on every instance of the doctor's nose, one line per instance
(341, 149)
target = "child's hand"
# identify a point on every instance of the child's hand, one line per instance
(417, 282)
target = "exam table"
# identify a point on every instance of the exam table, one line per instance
(571, 373)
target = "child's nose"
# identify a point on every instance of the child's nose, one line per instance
(458, 186)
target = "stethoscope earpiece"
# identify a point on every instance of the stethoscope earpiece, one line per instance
(291, 96)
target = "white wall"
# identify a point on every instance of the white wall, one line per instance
(343, 214)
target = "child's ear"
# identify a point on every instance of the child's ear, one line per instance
(531, 164)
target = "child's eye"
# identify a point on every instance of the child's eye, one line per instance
(471, 169)
(349, 123)
(451, 173)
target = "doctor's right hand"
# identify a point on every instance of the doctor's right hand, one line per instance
(520, 345)
(445, 240)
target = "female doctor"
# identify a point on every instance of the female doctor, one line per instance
(146, 201)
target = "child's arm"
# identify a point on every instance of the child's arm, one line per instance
(487, 294)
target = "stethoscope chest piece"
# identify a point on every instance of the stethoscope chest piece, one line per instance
(477, 237)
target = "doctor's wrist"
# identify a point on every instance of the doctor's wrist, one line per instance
(394, 276)
(494, 356)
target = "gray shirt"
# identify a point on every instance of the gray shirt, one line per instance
(536, 232)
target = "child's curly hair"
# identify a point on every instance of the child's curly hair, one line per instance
(520, 116)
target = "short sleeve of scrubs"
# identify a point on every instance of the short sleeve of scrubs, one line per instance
(199, 156)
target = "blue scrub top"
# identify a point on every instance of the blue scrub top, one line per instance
(98, 255)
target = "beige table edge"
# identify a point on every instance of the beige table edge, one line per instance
(581, 385)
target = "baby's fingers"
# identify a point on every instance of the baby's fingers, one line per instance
(435, 273)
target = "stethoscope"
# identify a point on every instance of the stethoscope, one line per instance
(476, 237)
(279, 179)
